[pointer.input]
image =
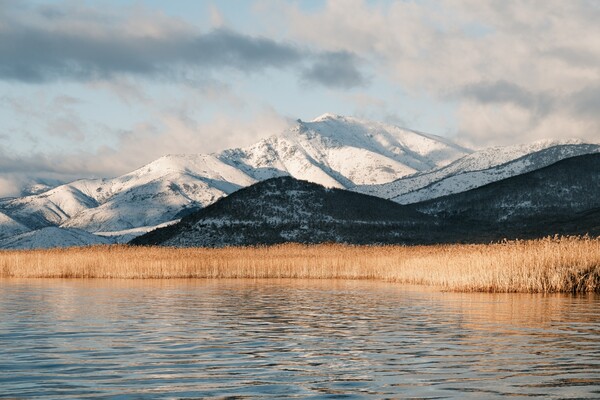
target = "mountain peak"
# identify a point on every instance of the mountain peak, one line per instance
(173, 163)
(327, 116)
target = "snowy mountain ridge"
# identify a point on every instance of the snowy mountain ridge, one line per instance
(331, 150)
(334, 151)
(477, 169)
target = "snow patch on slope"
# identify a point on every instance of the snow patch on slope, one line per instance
(9, 227)
(51, 237)
(127, 235)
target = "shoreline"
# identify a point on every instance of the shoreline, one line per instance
(550, 265)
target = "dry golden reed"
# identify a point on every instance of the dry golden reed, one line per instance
(565, 264)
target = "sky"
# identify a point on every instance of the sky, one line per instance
(99, 88)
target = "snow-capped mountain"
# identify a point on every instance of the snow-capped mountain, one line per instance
(478, 169)
(331, 150)
(334, 151)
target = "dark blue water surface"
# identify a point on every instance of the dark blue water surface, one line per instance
(291, 338)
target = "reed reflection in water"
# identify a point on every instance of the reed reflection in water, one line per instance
(296, 338)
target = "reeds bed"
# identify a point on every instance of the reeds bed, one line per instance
(564, 264)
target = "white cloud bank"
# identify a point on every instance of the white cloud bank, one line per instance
(518, 70)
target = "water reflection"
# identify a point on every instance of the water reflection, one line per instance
(218, 338)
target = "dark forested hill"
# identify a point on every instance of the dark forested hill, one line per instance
(289, 210)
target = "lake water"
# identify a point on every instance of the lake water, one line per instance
(302, 338)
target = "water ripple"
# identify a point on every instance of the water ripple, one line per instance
(286, 338)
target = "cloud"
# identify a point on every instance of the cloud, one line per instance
(335, 70)
(34, 56)
(533, 63)
(126, 90)
(9, 187)
(18, 171)
(498, 92)
(66, 127)
(56, 115)
(586, 103)
(179, 131)
(52, 43)
(175, 132)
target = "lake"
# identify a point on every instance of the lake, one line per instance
(291, 338)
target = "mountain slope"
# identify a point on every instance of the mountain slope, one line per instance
(563, 198)
(9, 227)
(50, 237)
(127, 235)
(285, 209)
(159, 192)
(478, 169)
(50, 208)
(331, 150)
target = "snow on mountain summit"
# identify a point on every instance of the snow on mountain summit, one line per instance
(416, 150)
(326, 116)
(351, 151)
